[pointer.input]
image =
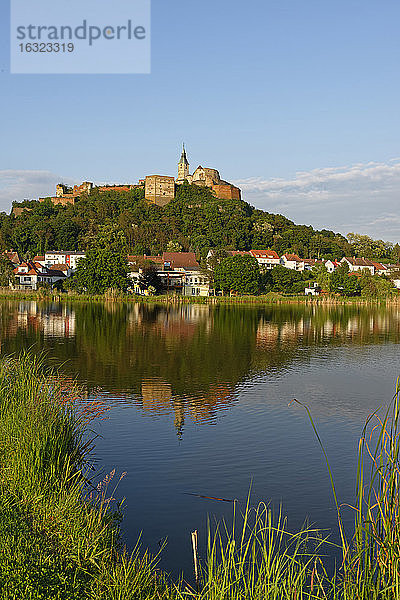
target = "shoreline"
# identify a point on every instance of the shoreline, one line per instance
(261, 300)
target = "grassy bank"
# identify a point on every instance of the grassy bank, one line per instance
(59, 535)
(262, 299)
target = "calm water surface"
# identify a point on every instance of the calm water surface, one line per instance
(198, 403)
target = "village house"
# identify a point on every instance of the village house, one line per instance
(313, 290)
(292, 261)
(62, 257)
(30, 274)
(380, 269)
(179, 272)
(13, 257)
(267, 259)
(358, 264)
(331, 265)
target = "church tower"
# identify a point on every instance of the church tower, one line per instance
(183, 166)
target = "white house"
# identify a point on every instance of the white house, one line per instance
(30, 274)
(331, 265)
(70, 258)
(313, 290)
(358, 264)
(292, 261)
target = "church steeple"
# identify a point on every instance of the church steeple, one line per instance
(183, 166)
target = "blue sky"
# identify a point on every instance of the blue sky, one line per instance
(296, 101)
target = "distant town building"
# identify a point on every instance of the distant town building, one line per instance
(179, 272)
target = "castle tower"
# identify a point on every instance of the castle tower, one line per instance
(183, 166)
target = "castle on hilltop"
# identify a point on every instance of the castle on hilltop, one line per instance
(158, 189)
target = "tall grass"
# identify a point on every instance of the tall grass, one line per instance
(48, 498)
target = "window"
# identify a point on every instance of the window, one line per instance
(193, 291)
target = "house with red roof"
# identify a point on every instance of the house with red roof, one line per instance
(331, 265)
(13, 257)
(30, 274)
(267, 259)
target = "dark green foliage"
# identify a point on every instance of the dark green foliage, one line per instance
(149, 277)
(105, 266)
(195, 220)
(287, 280)
(239, 274)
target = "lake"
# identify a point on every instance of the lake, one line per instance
(198, 404)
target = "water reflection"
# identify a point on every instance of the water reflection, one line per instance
(199, 402)
(185, 362)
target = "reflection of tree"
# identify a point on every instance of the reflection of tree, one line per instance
(183, 360)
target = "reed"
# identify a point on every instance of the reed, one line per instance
(58, 530)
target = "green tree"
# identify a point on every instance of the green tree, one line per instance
(321, 276)
(374, 286)
(6, 271)
(105, 265)
(239, 274)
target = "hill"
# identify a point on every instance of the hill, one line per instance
(195, 220)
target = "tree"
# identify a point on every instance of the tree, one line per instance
(373, 286)
(321, 276)
(105, 265)
(395, 253)
(239, 274)
(174, 246)
(6, 271)
(149, 277)
(286, 280)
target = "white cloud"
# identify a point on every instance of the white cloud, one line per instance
(362, 198)
(20, 185)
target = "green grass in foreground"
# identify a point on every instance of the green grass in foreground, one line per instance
(59, 535)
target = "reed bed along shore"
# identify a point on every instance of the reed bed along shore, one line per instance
(59, 535)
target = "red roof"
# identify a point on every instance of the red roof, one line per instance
(185, 260)
(264, 254)
(59, 267)
(292, 257)
(155, 259)
(379, 266)
(12, 256)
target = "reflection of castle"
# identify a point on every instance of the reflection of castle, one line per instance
(157, 398)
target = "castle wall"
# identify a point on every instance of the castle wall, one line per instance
(159, 189)
(226, 191)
